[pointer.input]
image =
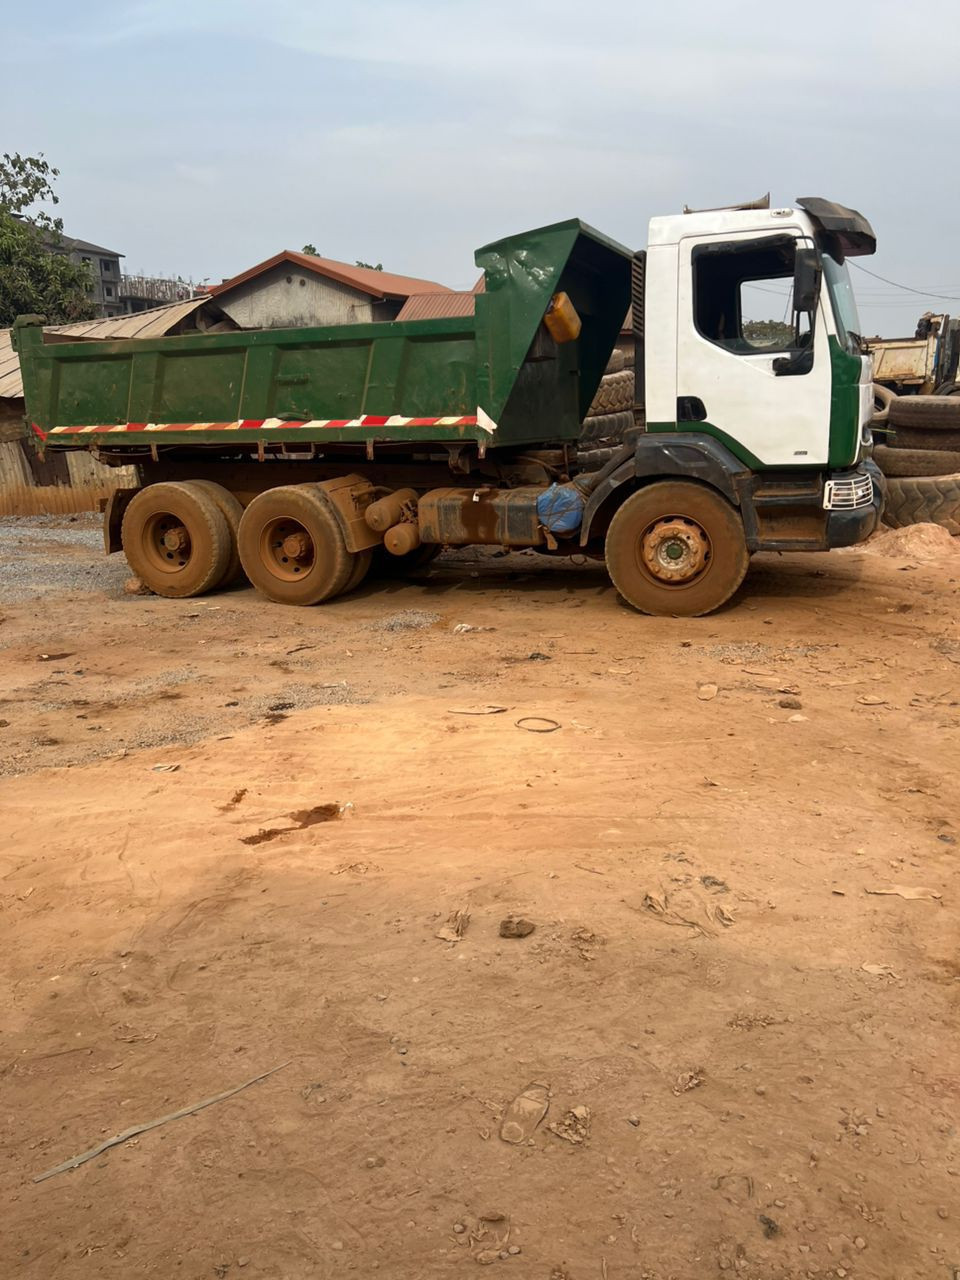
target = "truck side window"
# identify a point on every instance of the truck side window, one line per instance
(742, 295)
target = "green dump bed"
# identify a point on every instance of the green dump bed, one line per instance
(496, 377)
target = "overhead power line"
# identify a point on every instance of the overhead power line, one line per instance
(923, 293)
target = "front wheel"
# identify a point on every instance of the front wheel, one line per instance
(676, 549)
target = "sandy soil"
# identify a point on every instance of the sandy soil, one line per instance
(761, 1048)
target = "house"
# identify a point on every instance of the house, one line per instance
(295, 290)
(104, 268)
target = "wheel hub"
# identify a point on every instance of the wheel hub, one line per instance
(675, 549)
(295, 545)
(176, 539)
(287, 549)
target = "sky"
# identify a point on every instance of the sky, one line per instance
(198, 137)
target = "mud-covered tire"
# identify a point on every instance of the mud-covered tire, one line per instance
(614, 394)
(232, 510)
(930, 413)
(909, 438)
(609, 428)
(362, 561)
(385, 565)
(292, 547)
(176, 539)
(916, 462)
(924, 500)
(659, 517)
(616, 363)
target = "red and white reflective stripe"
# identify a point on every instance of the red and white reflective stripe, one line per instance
(266, 424)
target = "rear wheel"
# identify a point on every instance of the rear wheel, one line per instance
(362, 561)
(292, 547)
(232, 510)
(386, 565)
(676, 548)
(176, 539)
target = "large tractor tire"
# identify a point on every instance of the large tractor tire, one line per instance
(176, 539)
(911, 438)
(677, 549)
(930, 413)
(609, 428)
(292, 547)
(232, 510)
(924, 500)
(616, 363)
(614, 394)
(916, 462)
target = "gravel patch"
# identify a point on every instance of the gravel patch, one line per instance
(406, 620)
(42, 558)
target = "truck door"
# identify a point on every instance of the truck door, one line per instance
(749, 371)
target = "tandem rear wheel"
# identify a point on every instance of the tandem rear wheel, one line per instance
(677, 549)
(177, 538)
(292, 547)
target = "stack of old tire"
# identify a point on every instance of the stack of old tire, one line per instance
(610, 415)
(918, 450)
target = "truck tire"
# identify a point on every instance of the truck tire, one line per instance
(292, 547)
(608, 428)
(933, 413)
(386, 565)
(882, 399)
(908, 438)
(176, 539)
(947, 389)
(616, 362)
(614, 394)
(362, 561)
(924, 500)
(232, 510)
(916, 462)
(676, 549)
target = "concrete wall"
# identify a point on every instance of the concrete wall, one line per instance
(289, 297)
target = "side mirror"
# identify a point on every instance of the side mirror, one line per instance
(806, 281)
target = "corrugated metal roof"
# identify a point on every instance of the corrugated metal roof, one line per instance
(378, 284)
(154, 323)
(433, 306)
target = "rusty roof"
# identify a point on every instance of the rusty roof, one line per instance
(378, 284)
(432, 306)
(154, 323)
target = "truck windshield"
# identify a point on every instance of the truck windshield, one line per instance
(837, 276)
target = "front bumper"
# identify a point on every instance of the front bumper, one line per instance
(846, 526)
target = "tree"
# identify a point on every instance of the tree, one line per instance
(36, 276)
(370, 266)
(311, 249)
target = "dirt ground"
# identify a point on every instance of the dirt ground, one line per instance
(749, 1035)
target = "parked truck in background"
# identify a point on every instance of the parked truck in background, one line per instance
(306, 458)
(926, 364)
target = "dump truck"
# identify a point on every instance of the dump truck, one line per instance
(306, 459)
(926, 364)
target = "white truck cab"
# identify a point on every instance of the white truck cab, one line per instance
(733, 350)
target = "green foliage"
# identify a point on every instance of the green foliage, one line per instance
(36, 276)
(369, 265)
(311, 249)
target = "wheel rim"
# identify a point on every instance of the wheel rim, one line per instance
(287, 549)
(675, 551)
(165, 543)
